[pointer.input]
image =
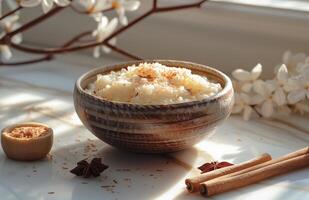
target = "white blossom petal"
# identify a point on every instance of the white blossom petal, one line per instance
(257, 99)
(62, 3)
(111, 26)
(245, 98)
(106, 49)
(282, 74)
(256, 72)
(267, 108)
(17, 39)
(291, 61)
(241, 75)
(291, 84)
(247, 113)
(131, 5)
(286, 57)
(30, 3)
(246, 87)
(5, 52)
(270, 86)
(279, 97)
(96, 52)
(47, 5)
(296, 96)
(100, 5)
(122, 17)
(259, 88)
(97, 16)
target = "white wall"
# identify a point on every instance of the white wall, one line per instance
(223, 35)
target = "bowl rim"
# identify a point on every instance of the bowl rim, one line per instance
(9, 128)
(227, 84)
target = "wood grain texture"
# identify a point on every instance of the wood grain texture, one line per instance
(153, 128)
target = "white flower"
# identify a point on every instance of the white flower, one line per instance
(46, 4)
(281, 84)
(122, 6)
(93, 7)
(104, 29)
(266, 98)
(248, 79)
(242, 104)
(302, 91)
(291, 61)
(9, 24)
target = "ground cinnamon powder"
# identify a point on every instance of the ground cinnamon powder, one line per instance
(28, 132)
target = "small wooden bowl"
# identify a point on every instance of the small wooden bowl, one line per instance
(153, 128)
(26, 149)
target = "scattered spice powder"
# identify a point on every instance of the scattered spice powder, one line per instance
(207, 167)
(28, 132)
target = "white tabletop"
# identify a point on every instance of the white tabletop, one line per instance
(43, 93)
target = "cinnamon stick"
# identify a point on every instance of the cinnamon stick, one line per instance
(294, 154)
(193, 184)
(221, 185)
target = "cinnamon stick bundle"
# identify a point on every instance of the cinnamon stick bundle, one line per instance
(294, 154)
(246, 173)
(193, 184)
(220, 185)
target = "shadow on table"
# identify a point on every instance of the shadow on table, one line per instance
(130, 175)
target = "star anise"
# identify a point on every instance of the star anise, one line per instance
(85, 169)
(207, 167)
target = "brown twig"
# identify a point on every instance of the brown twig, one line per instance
(123, 52)
(76, 38)
(154, 4)
(10, 13)
(69, 47)
(34, 22)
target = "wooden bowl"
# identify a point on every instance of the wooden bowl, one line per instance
(153, 128)
(26, 149)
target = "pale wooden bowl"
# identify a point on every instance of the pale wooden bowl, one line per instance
(153, 128)
(26, 149)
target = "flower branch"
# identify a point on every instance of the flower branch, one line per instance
(11, 12)
(34, 22)
(96, 11)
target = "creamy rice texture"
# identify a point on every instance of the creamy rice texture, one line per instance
(153, 83)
